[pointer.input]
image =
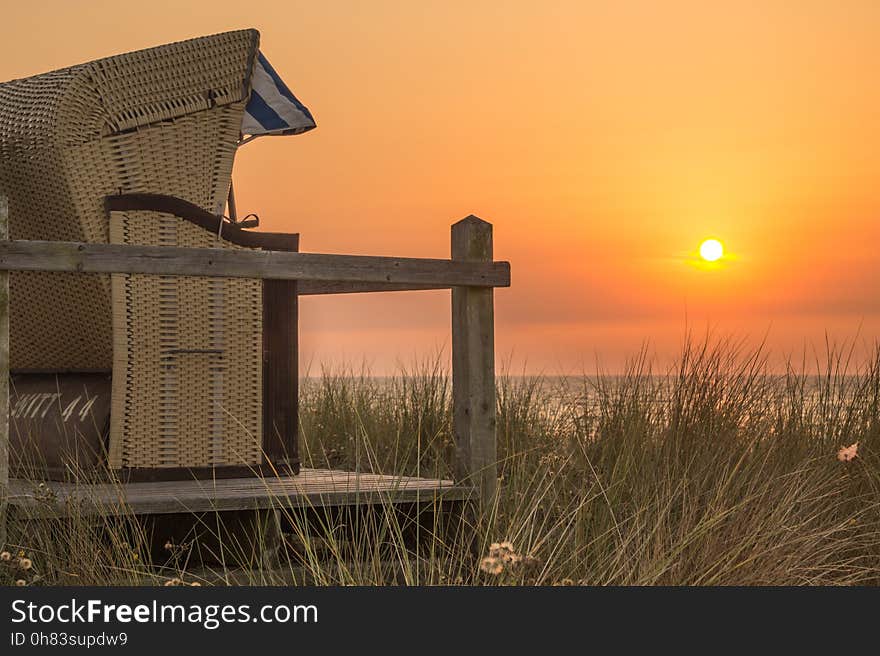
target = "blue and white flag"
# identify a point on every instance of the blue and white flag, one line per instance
(272, 107)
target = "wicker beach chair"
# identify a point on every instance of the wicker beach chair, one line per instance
(139, 149)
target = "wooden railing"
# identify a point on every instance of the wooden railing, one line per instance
(470, 273)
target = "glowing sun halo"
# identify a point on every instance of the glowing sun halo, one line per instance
(711, 250)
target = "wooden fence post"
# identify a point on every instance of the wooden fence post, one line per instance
(473, 364)
(4, 378)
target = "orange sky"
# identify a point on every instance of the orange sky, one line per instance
(604, 140)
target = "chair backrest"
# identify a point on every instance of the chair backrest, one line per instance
(163, 120)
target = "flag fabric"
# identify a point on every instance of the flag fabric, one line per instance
(272, 107)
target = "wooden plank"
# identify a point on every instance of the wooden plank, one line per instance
(56, 419)
(473, 364)
(312, 488)
(20, 255)
(4, 377)
(317, 287)
(281, 369)
(280, 372)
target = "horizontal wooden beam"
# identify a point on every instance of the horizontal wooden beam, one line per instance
(319, 287)
(216, 262)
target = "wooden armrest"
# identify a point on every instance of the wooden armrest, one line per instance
(275, 241)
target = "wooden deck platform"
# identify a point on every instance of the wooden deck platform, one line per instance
(311, 488)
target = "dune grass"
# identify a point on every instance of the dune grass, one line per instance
(714, 472)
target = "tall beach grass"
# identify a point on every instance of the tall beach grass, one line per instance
(713, 472)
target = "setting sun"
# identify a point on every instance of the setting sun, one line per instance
(711, 250)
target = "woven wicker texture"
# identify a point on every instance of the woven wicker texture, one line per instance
(187, 367)
(162, 120)
(185, 353)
